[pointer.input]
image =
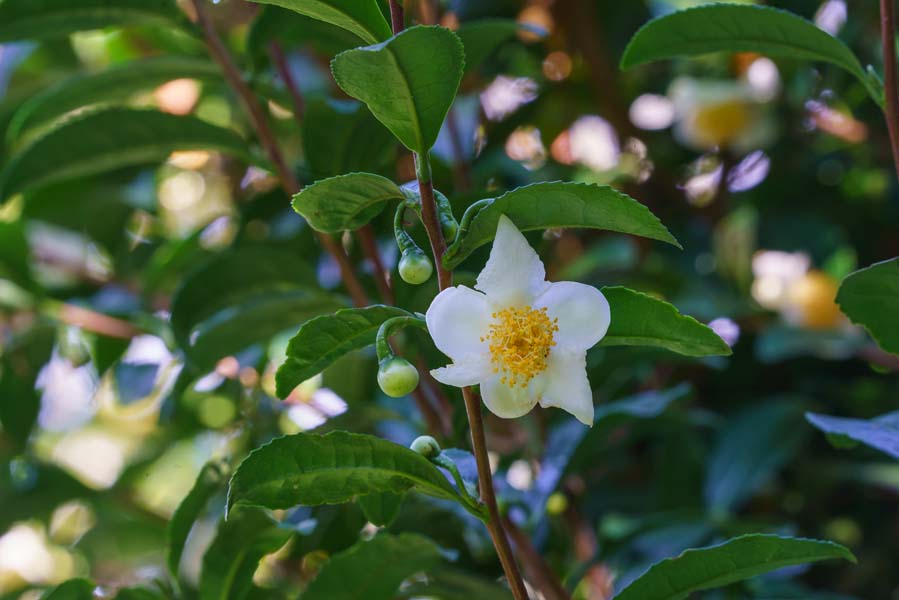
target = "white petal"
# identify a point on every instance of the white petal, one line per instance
(470, 370)
(457, 319)
(507, 402)
(513, 274)
(565, 385)
(582, 311)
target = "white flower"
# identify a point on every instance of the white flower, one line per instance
(522, 338)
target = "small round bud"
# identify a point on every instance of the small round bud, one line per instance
(426, 446)
(397, 377)
(415, 268)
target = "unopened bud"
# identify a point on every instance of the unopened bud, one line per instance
(415, 268)
(426, 446)
(397, 377)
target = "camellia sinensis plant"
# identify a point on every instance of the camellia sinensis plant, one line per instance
(395, 279)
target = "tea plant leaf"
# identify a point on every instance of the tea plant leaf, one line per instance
(869, 298)
(209, 482)
(880, 433)
(362, 17)
(345, 202)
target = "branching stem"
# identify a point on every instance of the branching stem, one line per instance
(891, 81)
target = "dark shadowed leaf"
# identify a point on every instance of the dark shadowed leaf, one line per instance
(741, 28)
(881, 433)
(373, 569)
(381, 508)
(751, 447)
(343, 137)
(482, 37)
(291, 29)
(454, 584)
(37, 19)
(716, 566)
(640, 320)
(408, 82)
(73, 589)
(322, 340)
(362, 17)
(20, 364)
(239, 545)
(110, 139)
(558, 204)
(869, 298)
(345, 202)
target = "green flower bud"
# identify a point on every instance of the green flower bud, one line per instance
(415, 268)
(397, 377)
(450, 229)
(426, 446)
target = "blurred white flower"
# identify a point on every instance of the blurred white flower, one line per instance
(506, 94)
(715, 114)
(594, 143)
(774, 272)
(831, 16)
(522, 338)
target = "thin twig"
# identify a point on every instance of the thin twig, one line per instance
(891, 81)
(370, 248)
(268, 141)
(540, 573)
(93, 321)
(280, 61)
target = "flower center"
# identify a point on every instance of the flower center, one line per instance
(720, 123)
(520, 339)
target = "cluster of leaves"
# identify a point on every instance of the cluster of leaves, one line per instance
(674, 498)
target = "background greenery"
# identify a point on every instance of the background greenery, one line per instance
(152, 272)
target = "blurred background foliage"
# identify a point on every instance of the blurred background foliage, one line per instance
(143, 312)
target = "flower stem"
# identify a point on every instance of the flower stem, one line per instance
(891, 81)
(267, 139)
(429, 218)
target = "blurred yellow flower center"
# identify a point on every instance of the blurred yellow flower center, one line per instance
(721, 122)
(520, 339)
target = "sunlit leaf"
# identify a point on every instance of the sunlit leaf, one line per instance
(408, 82)
(111, 139)
(210, 481)
(373, 569)
(558, 204)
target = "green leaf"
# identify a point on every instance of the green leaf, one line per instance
(881, 433)
(557, 204)
(241, 297)
(408, 82)
(750, 448)
(139, 594)
(344, 137)
(324, 339)
(362, 17)
(734, 560)
(454, 584)
(20, 363)
(869, 298)
(292, 30)
(482, 37)
(14, 255)
(741, 28)
(210, 481)
(345, 202)
(113, 85)
(374, 569)
(38, 19)
(638, 319)
(73, 589)
(381, 508)
(110, 139)
(311, 469)
(234, 555)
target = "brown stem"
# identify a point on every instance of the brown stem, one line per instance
(540, 573)
(891, 81)
(268, 141)
(430, 220)
(397, 18)
(280, 60)
(488, 496)
(90, 320)
(370, 248)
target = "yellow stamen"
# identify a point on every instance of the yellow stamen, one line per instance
(720, 123)
(520, 339)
